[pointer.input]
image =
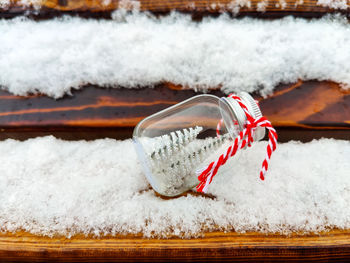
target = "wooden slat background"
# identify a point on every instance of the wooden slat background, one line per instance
(215, 246)
(304, 110)
(301, 111)
(91, 8)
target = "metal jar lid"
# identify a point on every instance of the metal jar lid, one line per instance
(240, 116)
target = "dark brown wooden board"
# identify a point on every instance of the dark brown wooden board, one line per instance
(301, 111)
(304, 110)
(102, 8)
(214, 247)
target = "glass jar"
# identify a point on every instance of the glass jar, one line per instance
(177, 141)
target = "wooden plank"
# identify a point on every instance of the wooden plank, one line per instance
(215, 246)
(303, 110)
(93, 7)
(304, 107)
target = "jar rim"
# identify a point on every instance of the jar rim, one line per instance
(239, 113)
(236, 113)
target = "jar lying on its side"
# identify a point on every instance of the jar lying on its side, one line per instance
(174, 143)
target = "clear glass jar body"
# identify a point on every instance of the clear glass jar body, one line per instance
(176, 142)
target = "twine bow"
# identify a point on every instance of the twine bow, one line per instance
(245, 137)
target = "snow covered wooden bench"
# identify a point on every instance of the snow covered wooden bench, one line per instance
(102, 8)
(97, 113)
(299, 111)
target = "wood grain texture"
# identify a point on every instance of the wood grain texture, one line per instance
(300, 109)
(303, 110)
(91, 7)
(215, 246)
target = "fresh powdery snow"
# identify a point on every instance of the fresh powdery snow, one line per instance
(36, 4)
(133, 50)
(334, 4)
(49, 186)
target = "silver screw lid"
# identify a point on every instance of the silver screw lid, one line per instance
(253, 109)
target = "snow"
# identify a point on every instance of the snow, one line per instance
(4, 3)
(334, 4)
(282, 4)
(261, 6)
(129, 5)
(298, 2)
(36, 4)
(55, 56)
(235, 6)
(49, 186)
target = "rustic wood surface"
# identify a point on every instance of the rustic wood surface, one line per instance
(216, 246)
(301, 109)
(92, 7)
(304, 110)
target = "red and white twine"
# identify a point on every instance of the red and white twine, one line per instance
(245, 138)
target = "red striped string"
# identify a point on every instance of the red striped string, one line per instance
(245, 138)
